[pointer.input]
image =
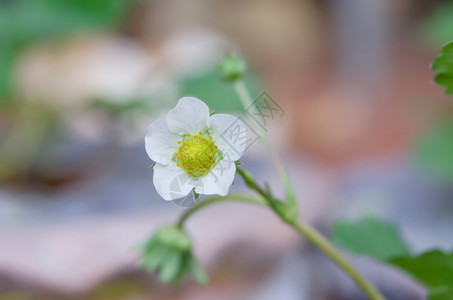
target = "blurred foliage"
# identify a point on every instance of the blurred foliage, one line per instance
(443, 65)
(442, 293)
(127, 288)
(23, 22)
(115, 109)
(381, 241)
(434, 150)
(124, 286)
(375, 238)
(438, 27)
(217, 93)
(32, 128)
(433, 268)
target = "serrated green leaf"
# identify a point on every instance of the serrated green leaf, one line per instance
(381, 241)
(443, 65)
(441, 293)
(433, 268)
(445, 79)
(369, 237)
(448, 48)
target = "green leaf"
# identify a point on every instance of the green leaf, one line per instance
(369, 237)
(382, 241)
(433, 268)
(441, 293)
(443, 65)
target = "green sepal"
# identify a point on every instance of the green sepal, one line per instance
(197, 271)
(169, 253)
(154, 257)
(170, 267)
(195, 194)
(174, 238)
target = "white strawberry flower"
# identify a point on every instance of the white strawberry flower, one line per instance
(194, 150)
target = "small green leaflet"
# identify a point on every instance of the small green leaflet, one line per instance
(433, 268)
(369, 237)
(443, 65)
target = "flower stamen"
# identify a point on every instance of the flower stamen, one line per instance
(197, 154)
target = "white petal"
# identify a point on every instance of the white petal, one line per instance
(190, 115)
(172, 182)
(219, 179)
(230, 135)
(160, 143)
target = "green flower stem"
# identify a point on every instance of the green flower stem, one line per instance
(325, 246)
(243, 93)
(248, 179)
(216, 199)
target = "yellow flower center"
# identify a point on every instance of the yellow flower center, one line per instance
(197, 154)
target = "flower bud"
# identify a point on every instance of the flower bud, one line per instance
(232, 67)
